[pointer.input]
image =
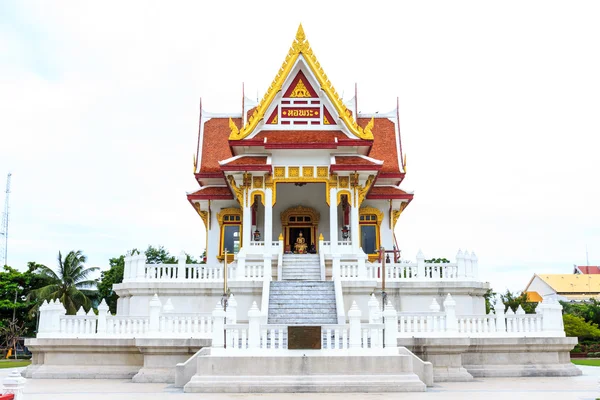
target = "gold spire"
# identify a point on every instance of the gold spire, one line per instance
(300, 46)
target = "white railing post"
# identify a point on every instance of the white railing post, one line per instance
(254, 317)
(321, 257)
(14, 384)
(552, 316)
(181, 265)
(59, 310)
(102, 313)
(154, 320)
(218, 339)
(474, 266)
(434, 306)
(468, 265)
(44, 314)
(140, 261)
(127, 270)
(391, 326)
(362, 268)
(420, 265)
(500, 317)
(354, 315)
(373, 305)
(450, 309)
(240, 273)
(280, 258)
(267, 266)
(335, 266)
(460, 262)
(231, 310)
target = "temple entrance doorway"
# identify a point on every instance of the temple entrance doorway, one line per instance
(299, 227)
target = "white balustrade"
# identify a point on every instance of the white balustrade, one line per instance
(78, 325)
(236, 336)
(127, 326)
(425, 322)
(349, 270)
(273, 337)
(345, 244)
(335, 337)
(193, 325)
(257, 244)
(253, 270)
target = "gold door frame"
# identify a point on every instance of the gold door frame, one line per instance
(300, 211)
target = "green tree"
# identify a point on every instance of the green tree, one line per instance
(514, 300)
(589, 310)
(114, 275)
(489, 297)
(578, 327)
(70, 284)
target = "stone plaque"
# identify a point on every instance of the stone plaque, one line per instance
(304, 337)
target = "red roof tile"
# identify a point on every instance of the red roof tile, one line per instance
(248, 160)
(211, 193)
(215, 145)
(589, 270)
(388, 192)
(353, 160)
(384, 143)
(299, 136)
(247, 163)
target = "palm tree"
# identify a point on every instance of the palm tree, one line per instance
(70, 284)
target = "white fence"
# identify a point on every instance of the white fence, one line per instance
(465, 268)
(162, 322)
(136, 270)
(546, 322)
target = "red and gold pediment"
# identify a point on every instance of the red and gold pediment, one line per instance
(300, 105)
(308, 98)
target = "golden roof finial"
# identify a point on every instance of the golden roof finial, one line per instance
(404, 163)
(300, 36)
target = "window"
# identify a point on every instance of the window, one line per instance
(230, 221)
(370, 220)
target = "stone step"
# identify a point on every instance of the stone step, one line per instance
(309, 294)
(323, 283)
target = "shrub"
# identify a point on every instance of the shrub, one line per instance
(576, 326)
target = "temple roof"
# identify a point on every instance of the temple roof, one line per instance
(389, 192)
(300, 49)
(211, 193)
(247, 163)
(354, 162)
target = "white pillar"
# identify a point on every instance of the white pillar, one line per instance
(374, 313)
(474, 266)
(354, 315)
(140, 261)
(247, 221)
(181, 264)
(500, 318)
(354, 226)
(127, 269)
(391, 326)
(460, 262)
(333, 219)
(44, 313)
(268, 225)
(450, 309)
(231, 310)
(218, 338)
(468, 265)
(102, 314)
(14, 383)
(154, 320)
(420, 265)
(254, 317)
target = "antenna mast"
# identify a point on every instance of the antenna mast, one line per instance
(4, 226)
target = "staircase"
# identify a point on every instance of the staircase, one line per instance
(301, 267)
(302, 303)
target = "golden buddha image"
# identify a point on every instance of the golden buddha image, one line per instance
(300, 246)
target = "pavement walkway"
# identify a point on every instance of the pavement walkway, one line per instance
(584, 387)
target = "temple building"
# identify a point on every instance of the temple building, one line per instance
(304, 287)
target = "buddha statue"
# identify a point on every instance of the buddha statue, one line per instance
(300, 246)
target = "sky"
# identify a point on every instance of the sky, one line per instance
(499, 109)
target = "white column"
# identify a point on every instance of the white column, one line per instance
(254, 316)
(450, 309)
(354, 226)
(154, 318)
(354, 315)
(420, 265)
(391, 326)
(333, 220)
(218, 339)
(102, 314)
(247, 222)
(181, 264)
(268, 226)
(460, 262)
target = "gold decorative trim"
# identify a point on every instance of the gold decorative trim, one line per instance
(268, 181)
(347, 193)
(300, 46)
(279, 172)
(333, 181)
(362, 190)
(300, 210)
(344, 181)
(237, 191)
(368, 210)
(307, 172)
(257, 182)
(255, 193)
(396, 214)
(293, 172)
(322, 172)
(228, 211)
(203, 215)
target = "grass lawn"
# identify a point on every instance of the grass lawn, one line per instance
(14, 364)
(594, 362)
